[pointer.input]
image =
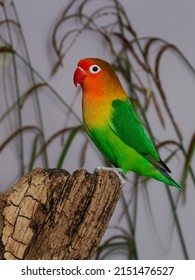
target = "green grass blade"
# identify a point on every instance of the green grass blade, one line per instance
(33, 153)
(188, 160)
(67, 146)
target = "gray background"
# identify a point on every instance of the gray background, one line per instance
(173, 21)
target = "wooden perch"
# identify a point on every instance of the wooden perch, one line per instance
(79, 207)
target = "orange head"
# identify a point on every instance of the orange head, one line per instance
(100, 86)
(96, 75)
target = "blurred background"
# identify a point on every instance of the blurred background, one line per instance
(151, 45)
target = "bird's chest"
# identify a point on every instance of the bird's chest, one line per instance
(96, 112)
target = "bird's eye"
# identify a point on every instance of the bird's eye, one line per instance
(93, 69)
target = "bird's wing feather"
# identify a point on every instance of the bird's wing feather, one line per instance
(127, 126)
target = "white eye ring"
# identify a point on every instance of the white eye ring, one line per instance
(93, 69)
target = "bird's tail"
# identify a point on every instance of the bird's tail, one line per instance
(166, 178)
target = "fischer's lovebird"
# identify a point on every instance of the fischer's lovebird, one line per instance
(113, 125)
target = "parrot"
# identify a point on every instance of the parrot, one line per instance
(113, 125)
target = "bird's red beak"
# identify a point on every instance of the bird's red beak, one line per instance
(79, 75)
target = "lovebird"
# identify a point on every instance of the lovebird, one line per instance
(113, 125)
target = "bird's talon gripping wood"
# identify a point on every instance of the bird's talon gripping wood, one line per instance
(118, 171)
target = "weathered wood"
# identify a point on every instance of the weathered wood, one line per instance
(80, 207)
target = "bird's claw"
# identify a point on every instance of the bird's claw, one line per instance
(118, 171)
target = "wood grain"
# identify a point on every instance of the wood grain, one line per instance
(50, 214)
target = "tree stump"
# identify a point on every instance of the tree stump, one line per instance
(50, 214)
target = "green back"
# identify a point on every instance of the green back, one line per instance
(127, 126)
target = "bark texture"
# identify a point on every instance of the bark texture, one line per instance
(50, 214)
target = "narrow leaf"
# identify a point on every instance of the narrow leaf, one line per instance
(188, 160)
(66, 146)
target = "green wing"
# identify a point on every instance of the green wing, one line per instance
(127, 126)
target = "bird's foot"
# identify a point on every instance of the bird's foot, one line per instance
(118, 171)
